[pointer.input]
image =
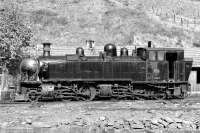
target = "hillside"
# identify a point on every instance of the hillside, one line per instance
(169, 23)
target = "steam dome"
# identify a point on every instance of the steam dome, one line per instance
(110, 49)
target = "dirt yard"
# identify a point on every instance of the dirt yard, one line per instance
(101, 116)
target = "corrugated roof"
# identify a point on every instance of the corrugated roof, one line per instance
(72, 50)
(193, 53)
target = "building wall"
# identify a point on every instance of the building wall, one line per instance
(195, 88)
(193, 53)
(3, 84)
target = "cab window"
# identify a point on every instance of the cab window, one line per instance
(161, 55)
(152, 55)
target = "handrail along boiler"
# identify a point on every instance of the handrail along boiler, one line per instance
(150, 73)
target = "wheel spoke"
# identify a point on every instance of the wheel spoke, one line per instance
(88, 93)
(33, 96)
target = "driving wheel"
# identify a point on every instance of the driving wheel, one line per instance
(88, 93)
(33, 96)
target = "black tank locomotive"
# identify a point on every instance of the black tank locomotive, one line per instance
(150, 73)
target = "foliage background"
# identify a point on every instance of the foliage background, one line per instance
(15, 36)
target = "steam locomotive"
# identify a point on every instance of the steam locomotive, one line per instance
(149, 73)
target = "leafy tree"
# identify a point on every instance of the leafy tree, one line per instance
(14, 35)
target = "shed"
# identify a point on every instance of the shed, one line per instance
(194, 78)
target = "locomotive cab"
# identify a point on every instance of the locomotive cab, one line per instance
(173, 63)
(174, 57)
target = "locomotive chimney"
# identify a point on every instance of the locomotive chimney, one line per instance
(46, 49)
(149, 44)
(80, 52)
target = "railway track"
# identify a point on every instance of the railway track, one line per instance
(13, 102)
(171, 105)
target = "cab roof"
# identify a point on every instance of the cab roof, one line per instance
(165, 49)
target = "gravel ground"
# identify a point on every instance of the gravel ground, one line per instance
(102, 116)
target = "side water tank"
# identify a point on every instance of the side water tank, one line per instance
(124, 52)
(110, 49)
(80, 52)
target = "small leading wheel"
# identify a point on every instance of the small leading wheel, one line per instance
(160, 96)
(88, 93)
(33, 96)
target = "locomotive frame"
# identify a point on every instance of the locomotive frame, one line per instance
(150, 73)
